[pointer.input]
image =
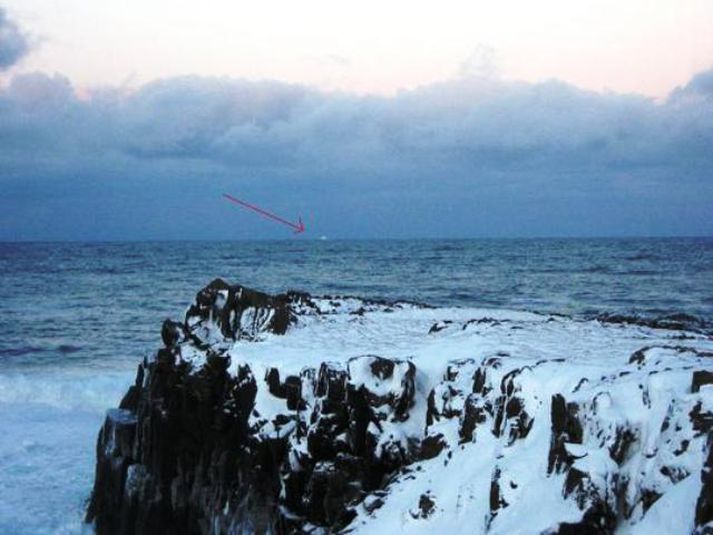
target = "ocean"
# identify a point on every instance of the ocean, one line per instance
(76, 318)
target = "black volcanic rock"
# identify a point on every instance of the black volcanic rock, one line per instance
(191, 456)
(701, 378)
(674, 322)
(239, 312)
(187, 452)
(200, 444)
(704, 506)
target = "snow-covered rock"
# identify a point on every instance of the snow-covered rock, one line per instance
(295, 414)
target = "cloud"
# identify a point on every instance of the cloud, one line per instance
(473, 156)
(13, 42)
(481, 63)
(700, 88)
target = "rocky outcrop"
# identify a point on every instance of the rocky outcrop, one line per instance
(675, 322)
(206, 443)
(229, 312)
(704, 505)
(193, 450)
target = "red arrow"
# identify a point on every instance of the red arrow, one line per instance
(299, 227)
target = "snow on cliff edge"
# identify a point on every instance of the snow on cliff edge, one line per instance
(480, 421)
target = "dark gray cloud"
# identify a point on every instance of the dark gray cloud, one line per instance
(13, 42)
(473, 156)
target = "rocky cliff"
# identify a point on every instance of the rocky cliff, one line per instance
(295, 414)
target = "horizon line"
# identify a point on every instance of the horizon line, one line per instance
(301, 239)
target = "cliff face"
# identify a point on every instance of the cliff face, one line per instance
(499, 422)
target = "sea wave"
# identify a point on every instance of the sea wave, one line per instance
(71, 389)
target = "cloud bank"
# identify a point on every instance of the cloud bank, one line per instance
(473, 156)
(13, 43)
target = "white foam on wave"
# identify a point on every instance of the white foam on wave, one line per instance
(67, 388)
(49, 421)
(47, 467)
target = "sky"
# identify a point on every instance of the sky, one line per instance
(401, 119)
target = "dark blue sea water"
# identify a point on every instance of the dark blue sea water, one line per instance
(76, 318)
(101, 302)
